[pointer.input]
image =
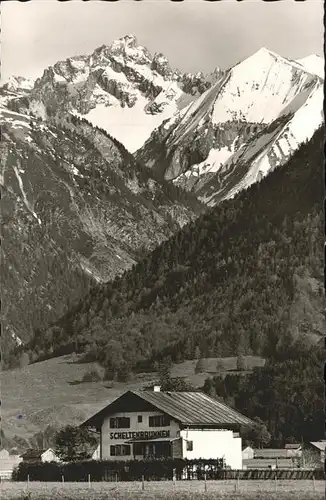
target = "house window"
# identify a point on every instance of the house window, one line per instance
(140, 419)
(138, 449)
(159, 421)
(120, 423)
(190, 445)
(119, 450)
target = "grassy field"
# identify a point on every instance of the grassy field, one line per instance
(181, 490)
(48, 392)
(226, 365)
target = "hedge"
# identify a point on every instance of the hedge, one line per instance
(132, 470)
(151, 470)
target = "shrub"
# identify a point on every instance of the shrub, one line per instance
(241, 363)
(92, 376)
(199, 368)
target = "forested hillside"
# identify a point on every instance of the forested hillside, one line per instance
(287, 394)
(232, 282)
(76, 209)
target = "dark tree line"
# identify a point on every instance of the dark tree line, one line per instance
(286, 395)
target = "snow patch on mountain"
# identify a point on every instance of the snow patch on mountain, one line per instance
(213, 163)
(314, 64)
(18, 171)
(16, 83)
(307, 118)
(131, 126)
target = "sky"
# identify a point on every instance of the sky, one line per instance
(194, 35)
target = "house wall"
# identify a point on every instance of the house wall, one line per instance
(97, 453)
(293, 453)
(49, 456)
(177, 448)
(270, 463)
(7, 465)
(107, 438)
(312, 455)
(213, 443)
(248, 453)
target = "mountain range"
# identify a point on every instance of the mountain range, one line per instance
(109, 154)
(212, 134)
(121, 88)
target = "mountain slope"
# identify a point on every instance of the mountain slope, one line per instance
(228, 283)
(121, 88)
(314, 64)
(76, 208)
(249, 122)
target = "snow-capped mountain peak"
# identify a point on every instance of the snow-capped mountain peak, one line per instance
(129, 40)
(121, 88)
(258, 88)
(16, 83)
(314, 64)
(128, 48)
(264, 57)
(247, 123)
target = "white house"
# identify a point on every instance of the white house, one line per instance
(34, 455)
(293, 449)
(7, 464)
(248, 453)
(97, 453)
(316, 450)
(157, 424)
(270, 458)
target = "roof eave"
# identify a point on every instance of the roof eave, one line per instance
(217, 425)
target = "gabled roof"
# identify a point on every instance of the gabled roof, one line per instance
(321, 445)
(292, 446)
(188, 408)
(33, 453)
